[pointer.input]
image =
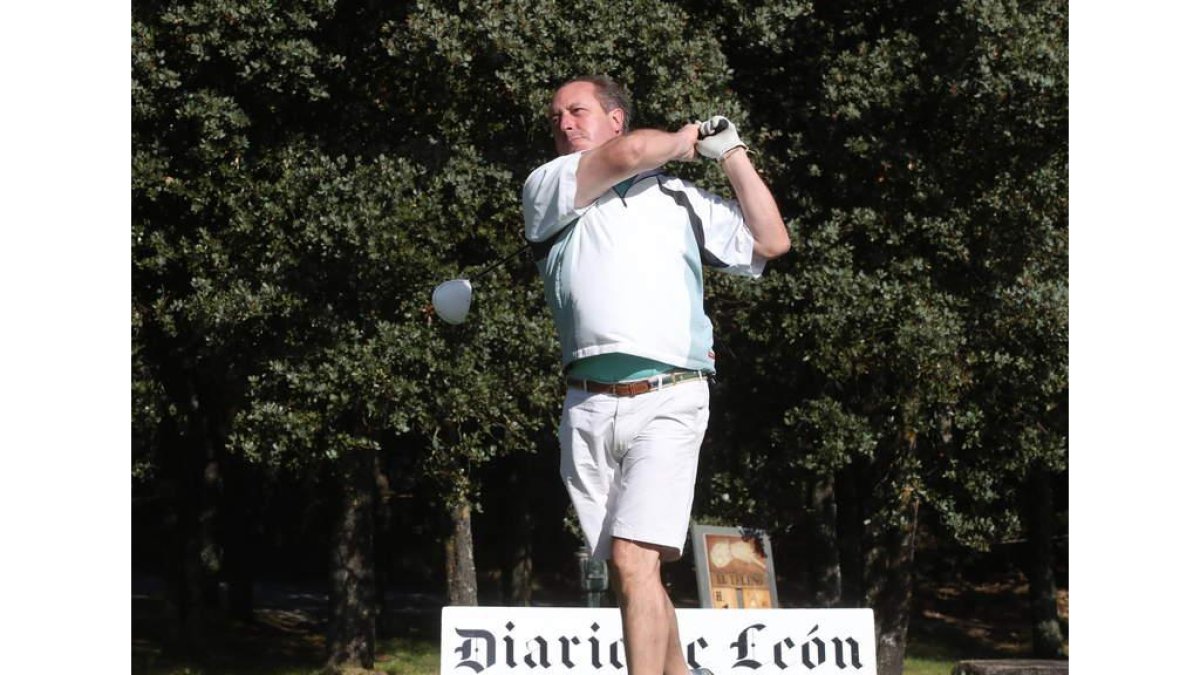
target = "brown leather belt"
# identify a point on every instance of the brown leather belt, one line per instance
(636, 387)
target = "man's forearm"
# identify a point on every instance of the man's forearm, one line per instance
(628, 155)
(758, 205)
(650, 148)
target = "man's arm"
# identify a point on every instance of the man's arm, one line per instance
(758, 205)
(625, 156)
(720, 142)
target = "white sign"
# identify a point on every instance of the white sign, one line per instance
(585, 640)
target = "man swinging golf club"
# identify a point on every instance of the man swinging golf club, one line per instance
(620, 246)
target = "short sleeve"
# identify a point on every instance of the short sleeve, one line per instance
(548, 198)
(727, 241)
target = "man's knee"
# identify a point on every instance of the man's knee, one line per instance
(635, 562)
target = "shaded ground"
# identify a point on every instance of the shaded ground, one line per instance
(979, 617)
(287, 634)
(985, 618)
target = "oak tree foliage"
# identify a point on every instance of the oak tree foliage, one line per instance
(305, 172)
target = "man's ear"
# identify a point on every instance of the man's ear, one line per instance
(617, 115)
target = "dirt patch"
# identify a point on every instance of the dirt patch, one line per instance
(981, 618)
(276, 638)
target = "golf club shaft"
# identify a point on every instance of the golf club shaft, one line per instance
(490, 268)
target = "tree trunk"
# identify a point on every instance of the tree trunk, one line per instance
(850, 536)
(1039, 567)
(189, 455)
(889, 568)
(189, 591)
(460, 558)
(238, 518)
(178, 523)
(383, 531)
(191, 487)
(518, 545)
(206, 556)
(824, 565)
(351, 636)
(520, 566)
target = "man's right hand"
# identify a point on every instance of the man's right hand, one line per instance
(690, 135)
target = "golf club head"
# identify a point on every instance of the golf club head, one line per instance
(452, 299)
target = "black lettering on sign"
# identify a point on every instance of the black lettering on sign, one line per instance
(566, 650)
(613, 654)
(744, 647)
(469, 649)
(837, 653)
(509, 657)
(806, 655)
(595, 649)
(779, 652)
(691, 652)
(477, 651)
(543, 657)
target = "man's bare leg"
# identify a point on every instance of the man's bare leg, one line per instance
(675, 663)
(647, 616)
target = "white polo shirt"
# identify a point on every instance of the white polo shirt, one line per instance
(623, 274)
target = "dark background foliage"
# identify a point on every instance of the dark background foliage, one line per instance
(305, 172)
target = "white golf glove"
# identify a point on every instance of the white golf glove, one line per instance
(717, 137)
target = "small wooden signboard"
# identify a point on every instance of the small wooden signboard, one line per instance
(734, 567)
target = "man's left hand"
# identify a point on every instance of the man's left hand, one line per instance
(718, 137)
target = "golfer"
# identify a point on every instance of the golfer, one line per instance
(620, 246)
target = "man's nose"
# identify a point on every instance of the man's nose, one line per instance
(566, 123)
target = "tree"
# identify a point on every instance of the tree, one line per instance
(301, 182)
(915, 347)
(198, 327)
(302, 179)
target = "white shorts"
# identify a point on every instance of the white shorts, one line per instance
(629, 463)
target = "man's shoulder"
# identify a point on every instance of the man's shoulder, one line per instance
(554, 166)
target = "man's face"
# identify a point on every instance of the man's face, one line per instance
(578, 120)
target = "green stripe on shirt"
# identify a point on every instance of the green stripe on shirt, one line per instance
(616, 367)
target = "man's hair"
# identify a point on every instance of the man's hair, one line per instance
(611, 94)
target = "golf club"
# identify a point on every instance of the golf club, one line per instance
(452, 299)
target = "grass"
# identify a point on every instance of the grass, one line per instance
(915, 666)
(406, 656)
